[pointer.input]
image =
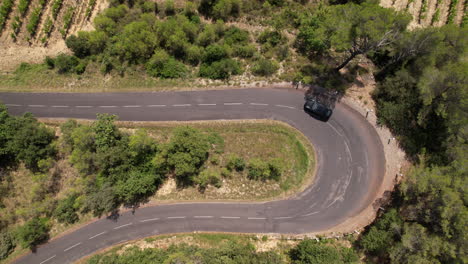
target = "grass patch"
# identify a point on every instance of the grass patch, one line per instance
(264, 139)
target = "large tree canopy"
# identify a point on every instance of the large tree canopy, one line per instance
(350, 30)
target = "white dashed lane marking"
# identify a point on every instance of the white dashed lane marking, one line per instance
(203, 216)
(256, 218)
(176, 217)
(285, 106)
(311, 213)
(132, 106)
(156, 105)
(148, 220)
(13, 105)
(83, 106)
(206, 104)
(36, 105)
(102, 233)
(232, 103)
(258, 104)
(48, 259)
(60, 106)
(77, 244)
(179, 105)
(107, 106)
(123, 226)
(230, 217)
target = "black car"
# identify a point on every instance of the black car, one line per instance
(317, 109)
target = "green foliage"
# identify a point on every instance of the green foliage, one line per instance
(23, 6)
(106, 132)
(47, 28)
(378, 239)
(87, 43)
(35, 18)
(235, 163)
(33, 232)
(265, 67)
(186, 153)
(7, 244)
(232, 253)
(350, 29)
(100, 200)
(311, 251)
(24, 139)
(258, 170)
(271, 37)
(69, 64)
(420, 101)
(56, 6)
(67, 20)
(137, 186)
(215, 53)
(5, 10)
(261, 170)
(65, 212)
(163, 66)
(208, 177)
(452, 11)
(222, 69)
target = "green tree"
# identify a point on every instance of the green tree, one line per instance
(186, 153)
(137, 186)
(34, 232)
(66, 210)
(106, 132)
(101, 200)
(351, 29)
(7, 244)
(311, 251)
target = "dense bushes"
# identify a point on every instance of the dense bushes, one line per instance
(7, 244)
(264, 67)
(24, 139)
(311, 251)
(34, 232)
(261, 170)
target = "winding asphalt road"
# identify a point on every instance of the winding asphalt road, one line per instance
(350, 159)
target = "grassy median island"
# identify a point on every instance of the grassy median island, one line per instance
(226, 248)
(56, 175)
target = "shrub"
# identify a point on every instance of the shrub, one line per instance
(276, 169)
(149, 7)
(311, 251)
(136, 187)
(66, 63)
(66, 210)
(235, 35)
(208, 177)
(258, 170)
(225, 173)
(47, 29)
(34, 232)
(244, 51)
(164, 66)
(194, 54)
(272, 37)
(221, 70)
(235, 163)
(169, 8)
(264, 67)
(7, 244)
(186, 153)
(214, 159)
(214, 53)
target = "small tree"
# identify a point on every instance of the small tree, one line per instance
(235, 163)
(34, 232)
(7, 244)
(66, 210)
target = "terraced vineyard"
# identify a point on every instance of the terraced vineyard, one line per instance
(37, 22)
(432, 12)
